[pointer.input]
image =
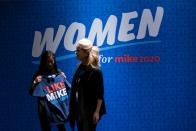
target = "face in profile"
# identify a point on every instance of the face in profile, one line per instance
(50, 62)
(81, 54)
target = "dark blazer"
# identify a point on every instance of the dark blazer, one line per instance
(89, 84)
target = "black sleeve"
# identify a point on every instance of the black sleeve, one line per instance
(98, 76)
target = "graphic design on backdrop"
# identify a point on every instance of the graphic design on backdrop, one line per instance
(147, 25)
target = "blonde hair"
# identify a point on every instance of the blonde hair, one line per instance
(92, 51)
(95, 55)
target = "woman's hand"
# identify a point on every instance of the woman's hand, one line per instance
(63, 74)
(37, 80)
(96, 117)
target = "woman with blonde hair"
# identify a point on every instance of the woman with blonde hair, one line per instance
(87, 94)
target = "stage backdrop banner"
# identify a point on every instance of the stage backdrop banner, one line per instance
(147, 55)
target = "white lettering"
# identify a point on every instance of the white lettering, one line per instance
(125, 27)
(104, 59)
(50, 96)
(147, 21)
(77, 31)
(71, 32)
(56, 95)
(47, 40)
(109, 30)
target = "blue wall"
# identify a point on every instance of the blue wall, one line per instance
(140, 96)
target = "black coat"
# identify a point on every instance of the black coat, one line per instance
(88, 82)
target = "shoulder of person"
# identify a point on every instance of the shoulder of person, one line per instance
(97, 71)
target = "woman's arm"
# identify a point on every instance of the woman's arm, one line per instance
(100, 92)
(34, 83)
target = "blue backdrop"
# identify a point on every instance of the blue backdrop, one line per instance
(149, 82)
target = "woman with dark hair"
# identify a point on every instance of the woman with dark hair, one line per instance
(47, 67)
(87, 93)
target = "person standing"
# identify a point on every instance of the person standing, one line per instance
(51, 110)
(87, 103)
